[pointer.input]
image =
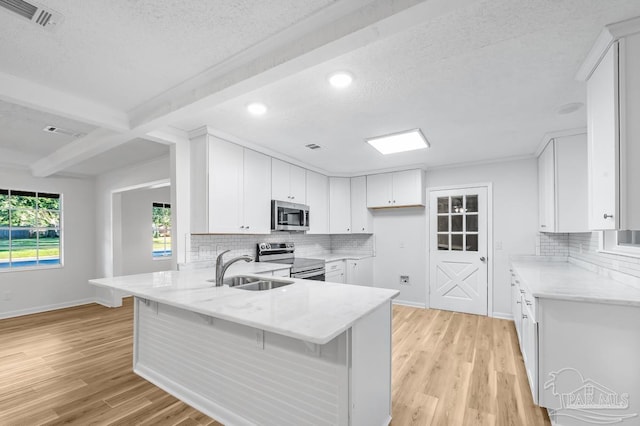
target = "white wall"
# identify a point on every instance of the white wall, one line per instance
(401, 249)
(46, 289)
(108, 184)
(135, 236)
(515, 214)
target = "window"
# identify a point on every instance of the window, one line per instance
(30, 229)
(621, 242)
(458, 223)
(161, 226)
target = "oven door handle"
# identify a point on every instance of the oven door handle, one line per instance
(303, 275)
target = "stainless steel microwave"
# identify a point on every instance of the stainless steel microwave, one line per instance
(287, 216)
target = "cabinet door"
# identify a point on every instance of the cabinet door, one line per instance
(408, 188)
(257, 190)
(318, 202)
(361, 219)
(360, 272)
(530, 351)
(603, 142)
(570, 177)
(335, 277)
(297, 184)
(226, 166)
(339, 205)
(379, 190)
(546, 189)
(280, 180)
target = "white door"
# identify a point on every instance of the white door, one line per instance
(458, 250)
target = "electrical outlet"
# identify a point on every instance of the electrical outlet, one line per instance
(204, 251)
(404, 279)
(498, 245)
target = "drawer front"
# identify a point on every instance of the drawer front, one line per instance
(334, 266)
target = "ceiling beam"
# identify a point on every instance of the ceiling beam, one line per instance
(26, 93)
(168, 136)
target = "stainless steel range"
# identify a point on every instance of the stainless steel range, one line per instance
(308, 269)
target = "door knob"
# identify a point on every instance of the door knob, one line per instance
(606, 216)
(482, 258)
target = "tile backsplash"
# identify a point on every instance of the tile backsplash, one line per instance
(207, 247)
(584, 246)
(552, 244)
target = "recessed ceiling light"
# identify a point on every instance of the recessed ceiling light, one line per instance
(256, 108)
(341, 79)
(409, 140)
(569, 108)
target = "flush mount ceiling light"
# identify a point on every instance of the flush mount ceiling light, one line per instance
(341, 79)
(256, 108)
(409, 140)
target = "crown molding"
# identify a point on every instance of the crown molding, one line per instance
(557, 134)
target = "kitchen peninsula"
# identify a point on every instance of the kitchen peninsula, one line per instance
(305, 353)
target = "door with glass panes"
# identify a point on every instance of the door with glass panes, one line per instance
(458, 250)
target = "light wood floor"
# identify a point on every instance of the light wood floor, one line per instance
(73, 366)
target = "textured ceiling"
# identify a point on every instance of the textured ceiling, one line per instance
(122, 53)
(482, 83)
(21, 130)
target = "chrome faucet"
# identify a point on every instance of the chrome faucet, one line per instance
(222, 267)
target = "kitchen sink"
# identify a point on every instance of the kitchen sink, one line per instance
(261, 285)
(239, 280)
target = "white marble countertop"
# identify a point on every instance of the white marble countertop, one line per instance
(563, 280)
(312, 311)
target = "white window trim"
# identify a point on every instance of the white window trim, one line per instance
(608, 243)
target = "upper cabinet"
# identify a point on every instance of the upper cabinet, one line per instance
(562, 173)
(361, 218)
(397, 189)
(288, 182)
(230, 188)
(612, 73)
(339, 205)
(318, 202)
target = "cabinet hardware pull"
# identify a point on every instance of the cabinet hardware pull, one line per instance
(522, 291)
(482, 259)
(606, 216)
(513, 285)
(517, 281)
(246, 227)
(528, 302)
(242, 227)
(543, 226)
(517, 301)
(524, 316)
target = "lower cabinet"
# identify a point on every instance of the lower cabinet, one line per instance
(574, 350)
(335, 272)
(360, 271)
(523, 310)
(282, 273)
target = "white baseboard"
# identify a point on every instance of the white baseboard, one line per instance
(410, 304)
(502, 315)
(46, 308)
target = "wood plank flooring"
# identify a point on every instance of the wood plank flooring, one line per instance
(73, 366)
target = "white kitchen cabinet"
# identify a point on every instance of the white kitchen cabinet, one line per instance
(288, 182)
(562, 173)
(612, 73)
(230, 188)
(318, 202)
(361, 218)
(397, 189)
(360, 271)
(339, 205)
(335, 272)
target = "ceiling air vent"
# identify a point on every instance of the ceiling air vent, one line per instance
(60, 131)
(313, 146)
(34, 12)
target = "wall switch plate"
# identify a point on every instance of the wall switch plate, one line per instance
(404, 279)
